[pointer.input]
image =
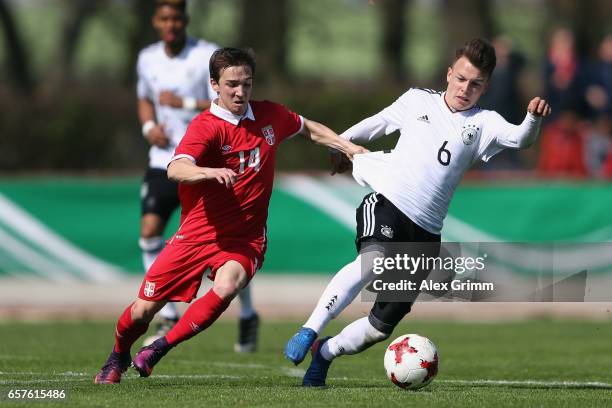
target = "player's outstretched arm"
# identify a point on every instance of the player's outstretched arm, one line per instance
(321, 134)
(183, 170)
(525, 134)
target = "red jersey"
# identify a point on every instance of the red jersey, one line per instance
(212, 212)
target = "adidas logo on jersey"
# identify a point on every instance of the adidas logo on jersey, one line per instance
(423, 118)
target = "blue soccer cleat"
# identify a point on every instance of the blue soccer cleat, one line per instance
(297, 347)
(317, 372)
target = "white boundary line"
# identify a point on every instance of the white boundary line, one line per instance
(95, 269)
(552, 384)
(292, 372)
(318, 195)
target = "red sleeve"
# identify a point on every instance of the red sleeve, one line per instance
(200, 137)
(289, 122)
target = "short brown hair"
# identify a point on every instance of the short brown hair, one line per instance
(230, 57)
(480, 53)
(177, 4)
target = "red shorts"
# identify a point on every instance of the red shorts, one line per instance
(177, 272)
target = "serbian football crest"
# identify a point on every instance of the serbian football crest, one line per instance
(268, 133)
(469, 134)
(149, 289)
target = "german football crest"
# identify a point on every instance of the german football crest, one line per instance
(387, 231)
(268, 133)
(469, 134)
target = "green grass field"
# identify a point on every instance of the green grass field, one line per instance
(539, 363)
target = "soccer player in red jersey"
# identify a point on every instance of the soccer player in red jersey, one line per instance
(225, 167)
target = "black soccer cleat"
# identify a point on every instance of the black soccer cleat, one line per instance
(248, 330)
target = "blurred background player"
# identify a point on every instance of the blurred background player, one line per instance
(442, 134)
(173, 86)
(225, 167)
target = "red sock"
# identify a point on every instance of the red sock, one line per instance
(201, 314)
(128, 331)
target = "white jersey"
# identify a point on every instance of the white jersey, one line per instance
(185, 74)
(436, 147)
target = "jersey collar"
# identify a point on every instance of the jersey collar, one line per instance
(451, 110)
(229, 116)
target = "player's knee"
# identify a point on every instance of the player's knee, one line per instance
(229, 280)
(227, 289)
(144, 310)
(151, 244)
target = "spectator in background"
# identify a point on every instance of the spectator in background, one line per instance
(562, 148)
(598, 93)
(173, 87)
(564, 87)
(503, 96)
(598, 148)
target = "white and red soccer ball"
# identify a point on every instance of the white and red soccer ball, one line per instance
(411, 361)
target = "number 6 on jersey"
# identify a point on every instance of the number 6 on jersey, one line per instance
(444, 156)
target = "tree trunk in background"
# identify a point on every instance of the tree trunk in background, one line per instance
(76, 16)
(393, 22)
(16, 55)
(263, 25)
(464, 20)
(139, 36)
(589, 21)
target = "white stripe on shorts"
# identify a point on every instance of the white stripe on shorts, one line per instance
(369, 220)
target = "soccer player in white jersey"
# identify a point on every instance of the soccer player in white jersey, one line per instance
(173, 87)
(442, 134)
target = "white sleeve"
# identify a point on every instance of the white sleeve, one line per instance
(143, 90)
(383, 123)
(504, 135)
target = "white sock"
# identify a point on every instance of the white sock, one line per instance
(353, 339)
(246, 303)
(339, 293)
(151, 247)
(169, 311)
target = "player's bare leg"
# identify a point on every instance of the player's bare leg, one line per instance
(229, 279)
(132, 324)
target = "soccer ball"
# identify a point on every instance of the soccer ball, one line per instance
(411, 361)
